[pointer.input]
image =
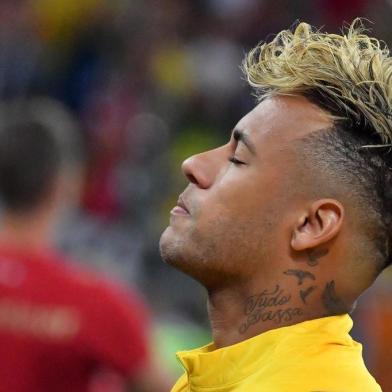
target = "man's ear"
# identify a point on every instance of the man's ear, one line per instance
(318, 225)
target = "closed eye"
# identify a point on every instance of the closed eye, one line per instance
(236, 161)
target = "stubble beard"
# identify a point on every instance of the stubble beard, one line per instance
(189, 254)
(222, 257)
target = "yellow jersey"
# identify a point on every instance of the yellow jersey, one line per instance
(313, 356)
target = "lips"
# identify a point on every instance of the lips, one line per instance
(180, 208)
(180, 203)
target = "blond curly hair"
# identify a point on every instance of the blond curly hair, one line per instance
(349, 75)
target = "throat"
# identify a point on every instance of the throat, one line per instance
(224, 312)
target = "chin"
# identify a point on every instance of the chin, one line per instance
(170, 247)
(189, 258)
(175, 252)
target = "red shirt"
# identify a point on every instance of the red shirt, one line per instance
(60, 326)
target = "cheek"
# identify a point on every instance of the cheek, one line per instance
(244, 210)
(241, 204)
(250, 191)
(230, 225)
(229, 204)
(232, 245)
(242, 200)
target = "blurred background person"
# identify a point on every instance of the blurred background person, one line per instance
(150, 83)
(61, 328)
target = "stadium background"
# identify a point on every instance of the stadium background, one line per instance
(147, 83)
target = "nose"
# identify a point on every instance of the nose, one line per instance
(202, 169)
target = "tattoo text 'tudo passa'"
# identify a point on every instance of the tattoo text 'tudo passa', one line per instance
(269, 306)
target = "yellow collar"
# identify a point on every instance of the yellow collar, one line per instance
(274, 349)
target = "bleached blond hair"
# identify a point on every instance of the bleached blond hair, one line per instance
(349, 75)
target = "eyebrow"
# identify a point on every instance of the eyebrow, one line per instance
(240, 136)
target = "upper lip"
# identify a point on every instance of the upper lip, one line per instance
(180, 203)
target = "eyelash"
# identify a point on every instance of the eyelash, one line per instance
(236, 161)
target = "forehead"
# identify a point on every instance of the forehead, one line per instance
(282, 119)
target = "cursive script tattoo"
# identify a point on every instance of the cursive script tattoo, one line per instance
(301, 275)
(267, 306)
(314, 255)
(331, 301)
(304, 293)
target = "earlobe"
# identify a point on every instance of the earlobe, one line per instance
(320, 224)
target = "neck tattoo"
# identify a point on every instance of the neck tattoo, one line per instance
(275, 305)
(270, 305)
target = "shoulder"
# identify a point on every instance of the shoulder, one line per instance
(116, 320)
(336, 374)
(109, 295)
(70, 272)
(73, 284)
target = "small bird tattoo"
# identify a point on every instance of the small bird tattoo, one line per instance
(301, 275)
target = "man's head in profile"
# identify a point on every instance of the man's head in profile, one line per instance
(291, 219)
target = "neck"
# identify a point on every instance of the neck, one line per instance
(239, 313)
(30, 230)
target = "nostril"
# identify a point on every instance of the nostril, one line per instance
(191, 178)
(195, 170)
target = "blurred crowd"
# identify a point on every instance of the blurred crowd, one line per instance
(146, 83)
